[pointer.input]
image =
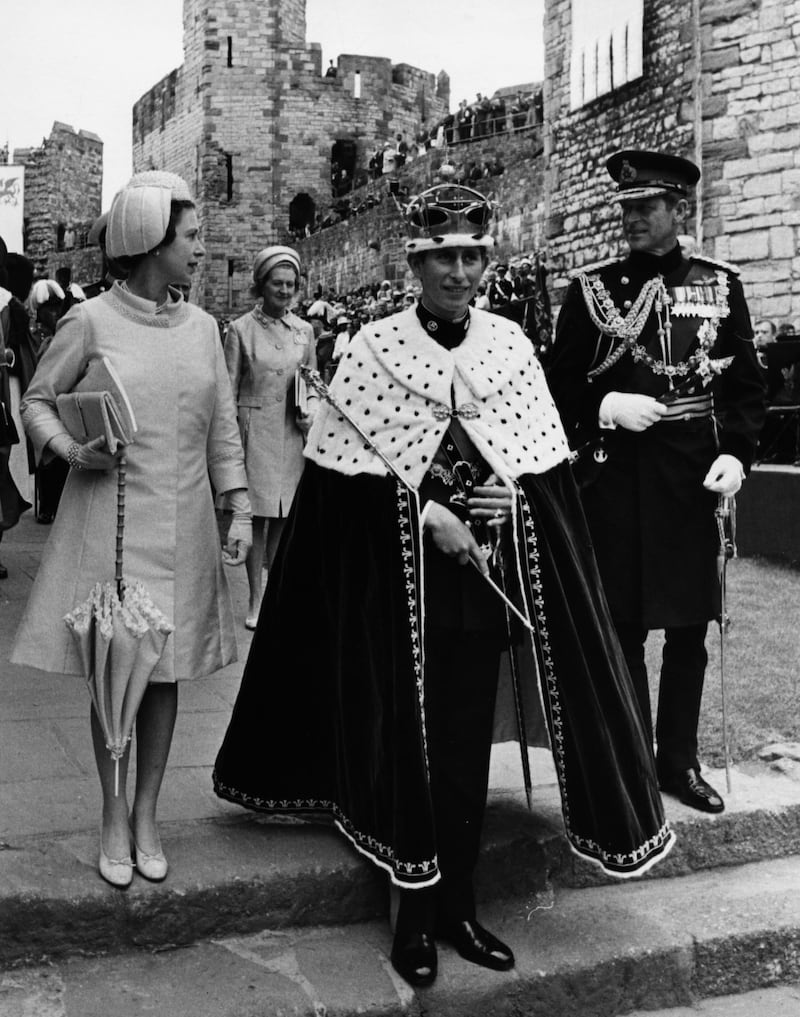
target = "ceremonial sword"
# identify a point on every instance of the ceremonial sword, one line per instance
(725, 515)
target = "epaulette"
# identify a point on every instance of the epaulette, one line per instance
(595, 266)
(715, 262)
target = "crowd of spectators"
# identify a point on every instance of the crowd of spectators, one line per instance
(778, 352)
(483, 118)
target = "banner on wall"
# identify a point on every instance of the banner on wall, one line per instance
(607, 42)
(12, 194)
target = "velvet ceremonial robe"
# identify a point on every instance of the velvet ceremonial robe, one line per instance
(330, 716)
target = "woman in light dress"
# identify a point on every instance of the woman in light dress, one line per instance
(263, 350)
(168, 356)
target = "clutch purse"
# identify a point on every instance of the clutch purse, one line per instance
(98, 406)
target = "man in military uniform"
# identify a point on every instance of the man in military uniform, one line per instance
(501, 288)
(655, 375)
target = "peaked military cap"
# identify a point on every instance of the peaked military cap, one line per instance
(642, 174)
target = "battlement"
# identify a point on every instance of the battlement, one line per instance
(259, 131)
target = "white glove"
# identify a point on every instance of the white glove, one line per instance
(240, 540)
(725, 476)
(630, 410)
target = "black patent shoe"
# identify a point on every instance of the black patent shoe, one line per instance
(690, 788)
(414, 958)
(478, 946)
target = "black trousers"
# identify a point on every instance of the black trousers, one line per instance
(680, 691)
(461, 670)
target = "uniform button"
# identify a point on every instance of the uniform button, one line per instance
(279, 397)
(279, 371)
(624, 280)
(278, 346)
(626, 304)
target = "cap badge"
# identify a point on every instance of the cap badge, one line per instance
(628, 173)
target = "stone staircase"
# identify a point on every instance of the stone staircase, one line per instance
(265, 918)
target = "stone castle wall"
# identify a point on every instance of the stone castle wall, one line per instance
(370, 247)
(749, 149)
(63, 194)
(655, 111)
(253, 123)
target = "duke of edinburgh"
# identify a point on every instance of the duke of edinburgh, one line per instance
(655, 376)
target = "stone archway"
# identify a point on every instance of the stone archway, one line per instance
(302, 210)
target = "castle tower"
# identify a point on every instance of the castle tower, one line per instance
(254, 126)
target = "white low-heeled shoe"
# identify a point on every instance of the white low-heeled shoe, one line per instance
(153, 867)
(116, 871)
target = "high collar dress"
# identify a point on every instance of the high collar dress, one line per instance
(262, 355)
(170, 362)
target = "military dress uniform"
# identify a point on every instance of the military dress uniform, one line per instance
(675, 328)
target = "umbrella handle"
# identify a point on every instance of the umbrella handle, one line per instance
(121, 472)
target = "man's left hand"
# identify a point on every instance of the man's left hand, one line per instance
(725, 476)
(491, 502)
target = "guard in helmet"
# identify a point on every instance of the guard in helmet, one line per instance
(439, 454)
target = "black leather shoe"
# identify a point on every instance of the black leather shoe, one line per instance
(414, 958)
(692, 790)
(45, 518)
(478, 946)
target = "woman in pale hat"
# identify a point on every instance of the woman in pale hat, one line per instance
(167, 355)
(263, 350)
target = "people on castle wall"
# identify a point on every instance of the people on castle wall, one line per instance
(519, 111)
(463, 122)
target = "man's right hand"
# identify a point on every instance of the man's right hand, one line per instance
(630, 410)
(452, 537)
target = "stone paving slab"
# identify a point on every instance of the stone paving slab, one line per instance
(598, 952)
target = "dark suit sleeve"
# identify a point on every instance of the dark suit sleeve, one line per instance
(741, 397)
(578, 346)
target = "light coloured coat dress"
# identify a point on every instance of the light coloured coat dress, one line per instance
(262, 354)
(171, 365)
